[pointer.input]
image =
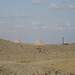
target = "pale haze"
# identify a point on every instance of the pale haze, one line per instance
(28, 20)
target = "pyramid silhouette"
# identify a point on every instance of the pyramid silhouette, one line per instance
(38, 41)
(17, 41)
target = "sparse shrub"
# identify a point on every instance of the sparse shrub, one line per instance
(45, 73)
(21, 46)
(33, 74)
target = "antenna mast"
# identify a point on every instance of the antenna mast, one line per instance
(63, 40)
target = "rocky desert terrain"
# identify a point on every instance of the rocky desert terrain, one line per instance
(35, 59)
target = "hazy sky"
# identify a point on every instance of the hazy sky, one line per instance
(28, 20)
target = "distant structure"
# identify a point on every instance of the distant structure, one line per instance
(38, 41)
(63, 40)
(17, 41)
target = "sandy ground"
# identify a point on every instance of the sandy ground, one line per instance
(32, 59)
(40, 67)
(67, 65)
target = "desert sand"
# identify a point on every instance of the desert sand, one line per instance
(31, 59)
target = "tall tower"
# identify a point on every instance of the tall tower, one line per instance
(63, 40)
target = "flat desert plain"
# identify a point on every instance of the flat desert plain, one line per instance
(35, 59)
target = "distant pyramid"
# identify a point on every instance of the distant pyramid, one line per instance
(38, 41)
(17, 41)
